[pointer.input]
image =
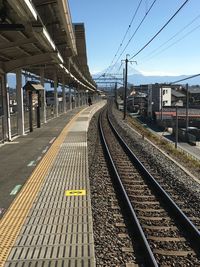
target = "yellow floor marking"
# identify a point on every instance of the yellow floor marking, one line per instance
(80, 192)
(13, 219)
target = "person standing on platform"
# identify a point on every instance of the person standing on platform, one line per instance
(89, 101)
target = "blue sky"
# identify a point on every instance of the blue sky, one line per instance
(107, 21)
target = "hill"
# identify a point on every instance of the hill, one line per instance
(136, 77)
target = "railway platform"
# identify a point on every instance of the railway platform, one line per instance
(45, 206)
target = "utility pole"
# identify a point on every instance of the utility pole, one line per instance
(161, 102)
(125, 84)
(116, 92)
(187, 108)
(176, 136)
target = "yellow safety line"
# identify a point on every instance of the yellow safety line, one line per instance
(13, 219)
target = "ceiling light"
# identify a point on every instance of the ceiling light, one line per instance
(60, 57)
(24, 9)
(31, 8)
(46, 34)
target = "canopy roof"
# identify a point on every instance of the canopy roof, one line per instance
(33, 86)
(39, 34)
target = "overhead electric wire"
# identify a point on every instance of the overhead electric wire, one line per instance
(129, 26)
(159, 30)
(190, 77)
(136, 30)
(171, 38)
(132, 20)
(99, 76)
(120, 66)
(177, 41)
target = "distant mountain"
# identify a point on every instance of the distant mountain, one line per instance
(136, 77)
(116, 69)
(143, 79)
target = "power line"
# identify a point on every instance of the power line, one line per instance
(136, 31)
(127, 30)
(160, 30)
(177, 41)
(120, 66)
(190, 77)
(129, 26)
(101, 75)
(171, 38)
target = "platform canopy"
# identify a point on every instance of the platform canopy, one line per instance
(81, 57)
(39, 34)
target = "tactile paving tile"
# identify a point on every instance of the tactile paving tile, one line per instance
(52, 263)
(58, 230)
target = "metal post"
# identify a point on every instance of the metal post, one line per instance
(2, 108)
(63, 94)
(86, 97)
(30, 111)
(70, 98)
(125, 86)
(38, 109)
(20, 103)
(176, 137)
(7, 108)
(5, 122)
(75, 105)
(43, 102)
(161, 103)
(55, 95)
(187, 108)
(79, 98)
(116, 93)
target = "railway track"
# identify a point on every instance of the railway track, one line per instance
(166, 235)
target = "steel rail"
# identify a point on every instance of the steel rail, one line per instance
(187, 226)
(149, 259)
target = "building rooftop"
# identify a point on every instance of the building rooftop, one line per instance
(194, 90)
(176, 93)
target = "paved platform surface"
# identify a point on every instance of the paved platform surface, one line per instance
(49, 223)
(20, 157)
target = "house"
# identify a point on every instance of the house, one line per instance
(167, 117)
(159, 95)
(137, 103)
(194, 96)
(177, 98)
(143, 88)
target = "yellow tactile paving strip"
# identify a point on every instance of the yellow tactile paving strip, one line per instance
(11, 223)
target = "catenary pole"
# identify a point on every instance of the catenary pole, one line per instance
(125, 86)
(187, 107)
(125, 83)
